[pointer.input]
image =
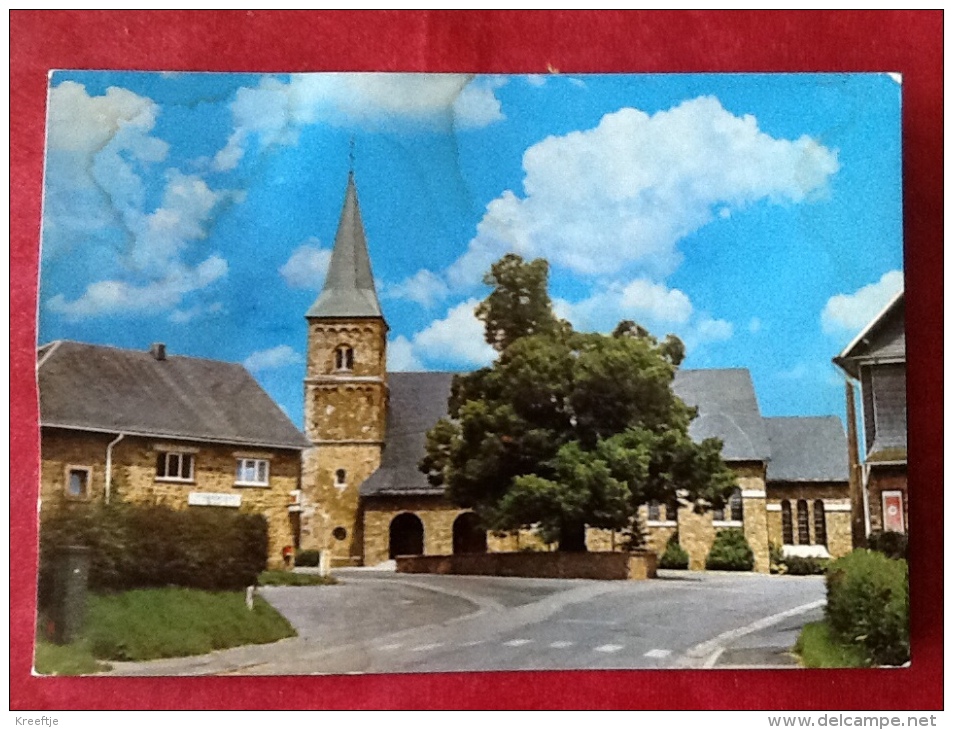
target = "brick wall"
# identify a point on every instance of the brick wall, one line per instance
(134, 476)
(886, 479)
(592, 566)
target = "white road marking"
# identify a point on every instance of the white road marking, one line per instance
(517, 642)
(657, 653)
(560, 644)
(609, 648)
(474, 643)
(587, 621)
(427, 647)
(389, 647)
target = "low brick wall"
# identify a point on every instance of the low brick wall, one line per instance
(593, 566)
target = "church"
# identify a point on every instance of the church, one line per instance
(364, 501)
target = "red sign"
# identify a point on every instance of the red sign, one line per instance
(893, 511)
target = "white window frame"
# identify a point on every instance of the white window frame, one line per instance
(88, 471)
(182, 456)
(242, 464)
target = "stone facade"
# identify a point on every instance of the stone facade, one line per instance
(134, 476)
(836, 499)
(436, 514)
(345, 413)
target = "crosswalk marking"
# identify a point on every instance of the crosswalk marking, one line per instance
(427, 647)
(560, 644)
(474, 643)
(390, 647)
(609, 648)
(657, 653)
(517, 642)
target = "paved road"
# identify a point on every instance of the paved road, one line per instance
(383, 622)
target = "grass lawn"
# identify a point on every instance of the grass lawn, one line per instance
(819, 650)
(286, 578)
(162, 622)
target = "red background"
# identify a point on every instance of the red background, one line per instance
(506, 42)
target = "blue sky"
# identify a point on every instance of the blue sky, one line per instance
(758, 217)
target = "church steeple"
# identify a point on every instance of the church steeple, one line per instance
(349, 289)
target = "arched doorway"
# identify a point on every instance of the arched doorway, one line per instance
(468, 536)
(406, 535)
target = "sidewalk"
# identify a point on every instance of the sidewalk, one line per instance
(768, 648)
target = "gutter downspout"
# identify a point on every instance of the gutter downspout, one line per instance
(109, 463)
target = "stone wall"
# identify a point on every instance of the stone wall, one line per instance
(134, 476)
(436, 513)
(836, 497)
(886, 479)
(592, 566)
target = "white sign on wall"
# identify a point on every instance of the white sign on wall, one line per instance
(213, 499)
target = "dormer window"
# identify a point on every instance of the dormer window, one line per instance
(344, 358)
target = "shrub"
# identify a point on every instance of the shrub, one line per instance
(891, 544)
(674, 557)
(805, 566)
(143, 546)
(868, 605)
(308, 558)
(730, 551)
(776, 559)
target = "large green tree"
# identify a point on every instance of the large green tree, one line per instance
(568, 429)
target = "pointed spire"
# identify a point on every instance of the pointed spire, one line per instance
(349, 287)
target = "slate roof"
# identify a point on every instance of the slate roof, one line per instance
(349, 286)
(882, 339)
(417, 402)
(807, 449)
(726, 401)
(727, 409)
(97, 388)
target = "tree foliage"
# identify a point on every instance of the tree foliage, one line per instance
(568, 429)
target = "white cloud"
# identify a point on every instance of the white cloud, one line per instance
(625, 192)
(182, 316)
(120, 297)
(307, 266)
(401, 357)
(536, 80)
(850, 313)
(276, 357)
(709, 330)
(425, 288)
(456, 339)
(273, 112)
(641, 300)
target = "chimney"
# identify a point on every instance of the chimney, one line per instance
(157, 350)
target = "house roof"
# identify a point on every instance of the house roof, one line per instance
(96, 388)
(349, 286)
(725, 398)
(727, 409)
(883, 339)
(807, 449)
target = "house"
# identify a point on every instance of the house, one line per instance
(145, 426)
(877, 360)
(364, 499)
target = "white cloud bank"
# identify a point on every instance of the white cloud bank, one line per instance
(271, 359)
(850, 313)
(307, 267)
(457, 340)
(274, 111)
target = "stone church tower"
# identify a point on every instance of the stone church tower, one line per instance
(345, 393)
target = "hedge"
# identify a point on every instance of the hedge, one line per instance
(868, 605)
(730, 551)
(146, 546)
(674, 557)
(891, 544)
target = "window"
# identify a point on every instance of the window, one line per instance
(803, 524)
(787, 526)
(344, 358)
(252, 472)
(820, 523)
(339, 533)
(175, 466)
(671, 511)
(340, 478)
(77, 482)
(732, 511)
(654, 511)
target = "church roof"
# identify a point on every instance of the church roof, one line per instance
(807, 449)
(881, 340)
(106, 389)
(349, 287)
(726, 403)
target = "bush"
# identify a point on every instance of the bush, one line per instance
(308, 558)
(805, 566)
(730, 551)
(868, 605)
(891, 544)
(776, 559)
(674, 557)
(144, 546)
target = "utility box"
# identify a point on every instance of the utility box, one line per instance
(70, 585)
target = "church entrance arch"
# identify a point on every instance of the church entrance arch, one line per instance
(406, 535)
(468, 536)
